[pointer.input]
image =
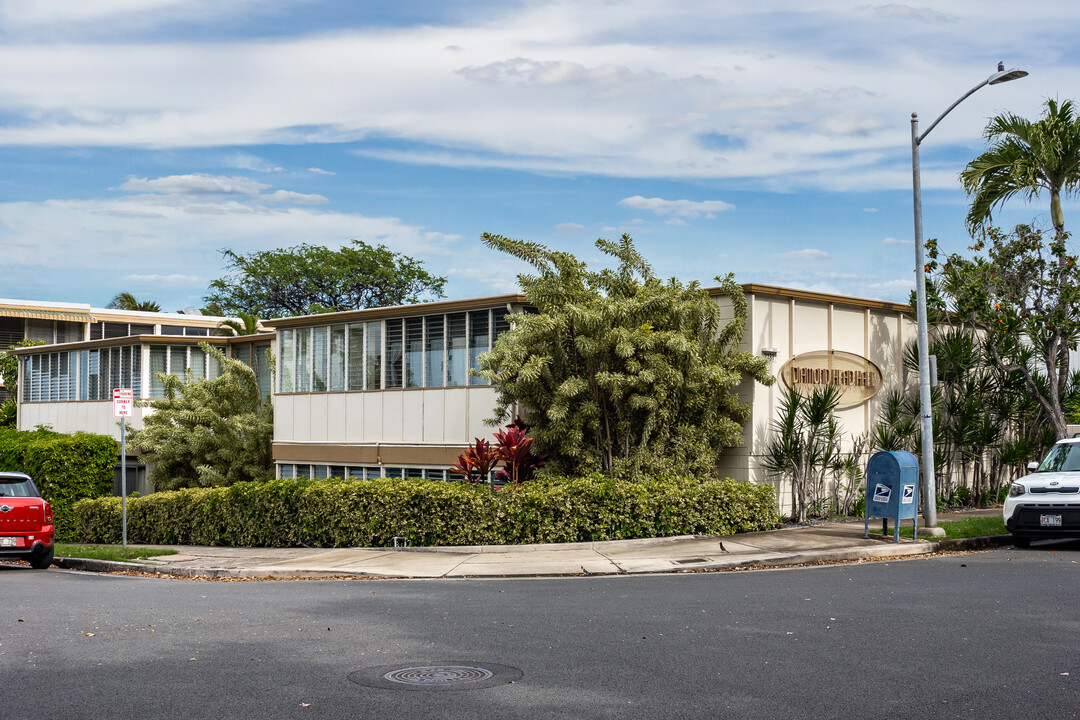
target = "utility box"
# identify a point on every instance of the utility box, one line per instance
(892, 490)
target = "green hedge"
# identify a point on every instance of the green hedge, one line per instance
(346, 513)
(65, 468)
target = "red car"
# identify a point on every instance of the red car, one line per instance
(26, 521)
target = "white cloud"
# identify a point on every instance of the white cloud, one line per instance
(173, 279)
(569, 228)
(809, 254)
(892, 286)
(320, 171)
(195, 185)
(295, 198)
(677, 222)
(795, 97)
(682, 208)
(870, 210)
(183, 224)
(896, 241)
(247, 161)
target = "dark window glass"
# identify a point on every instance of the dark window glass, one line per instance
(456, 352)
(414, 352)
(435, 358)
(394, 351)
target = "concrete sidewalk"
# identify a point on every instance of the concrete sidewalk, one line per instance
(832, 542)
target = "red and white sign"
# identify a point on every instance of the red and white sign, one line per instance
(123, 400)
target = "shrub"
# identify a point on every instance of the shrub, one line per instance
(65, 468)
(343, 513)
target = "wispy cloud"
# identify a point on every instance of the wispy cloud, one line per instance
(896, 241)
(173, 279)
(680, 208)
(569, 228)
(809, 254)
(320, 171)
(247, 161)
(198, 184)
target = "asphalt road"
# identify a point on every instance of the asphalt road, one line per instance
(983, 635)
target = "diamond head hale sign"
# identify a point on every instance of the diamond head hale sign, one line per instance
(857, 378)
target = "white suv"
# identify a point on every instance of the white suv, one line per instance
(1046, 503)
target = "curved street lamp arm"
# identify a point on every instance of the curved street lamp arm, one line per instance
(965, 96)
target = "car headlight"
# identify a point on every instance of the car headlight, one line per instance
(1016, 489)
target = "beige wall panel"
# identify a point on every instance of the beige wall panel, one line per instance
(283, 417)
(481, 405)
(335, 417)
(317, 414)
(354, 417)
(413, 421)
(392, 416)
(455, 414)
(71, 417)
(434, 414)
(848, 330)
(372, 422)
(811, 327)
(301, 418)
(771, 328)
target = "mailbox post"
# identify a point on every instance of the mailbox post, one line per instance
(892, 490)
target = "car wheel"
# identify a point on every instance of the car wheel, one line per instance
(42, 560)
(1021, 542)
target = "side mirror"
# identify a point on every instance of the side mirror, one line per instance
(1033, 466)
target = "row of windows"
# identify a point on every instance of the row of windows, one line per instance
(92, 374)
(106, 330)
(80, 375)
(178, 360)
(415, 352)
(322, 472)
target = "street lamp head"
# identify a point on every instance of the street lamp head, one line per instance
(1003, 75)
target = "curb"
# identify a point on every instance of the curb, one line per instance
(974, 543)
(907, 549)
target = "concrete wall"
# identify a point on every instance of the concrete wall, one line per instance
(435, 416)
(92, 416)
(790, 326)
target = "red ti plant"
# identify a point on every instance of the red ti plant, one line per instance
(476, 462)
(515, 450)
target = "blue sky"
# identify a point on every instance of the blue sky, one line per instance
(138, 138)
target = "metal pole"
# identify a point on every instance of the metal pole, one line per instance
(925, 408)
(123, 478)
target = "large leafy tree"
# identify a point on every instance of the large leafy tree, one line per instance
(207, 433)
(618, 371)
(307, 279)
(1023, 296)
(127, 301)
(1024, 159)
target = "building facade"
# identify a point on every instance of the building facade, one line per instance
(391, 391)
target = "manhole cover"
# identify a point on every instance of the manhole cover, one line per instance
(456, 675)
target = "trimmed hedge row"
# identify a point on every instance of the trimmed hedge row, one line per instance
(65, 468)
(348, 513)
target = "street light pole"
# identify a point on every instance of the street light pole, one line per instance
(925, 407)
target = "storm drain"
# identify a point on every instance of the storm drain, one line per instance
(441, 676)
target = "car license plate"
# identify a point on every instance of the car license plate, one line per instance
(1050, 520)
(7, 542)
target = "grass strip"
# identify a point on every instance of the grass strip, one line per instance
(966, 528)
(117, 553)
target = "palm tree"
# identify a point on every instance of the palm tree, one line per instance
(1024, 159)
(244, 324)
(127, 301)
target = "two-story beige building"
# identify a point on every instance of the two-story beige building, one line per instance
(388, 392)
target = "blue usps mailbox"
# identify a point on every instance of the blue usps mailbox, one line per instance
(892, 490)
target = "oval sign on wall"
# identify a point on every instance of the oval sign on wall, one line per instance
(857, 378)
